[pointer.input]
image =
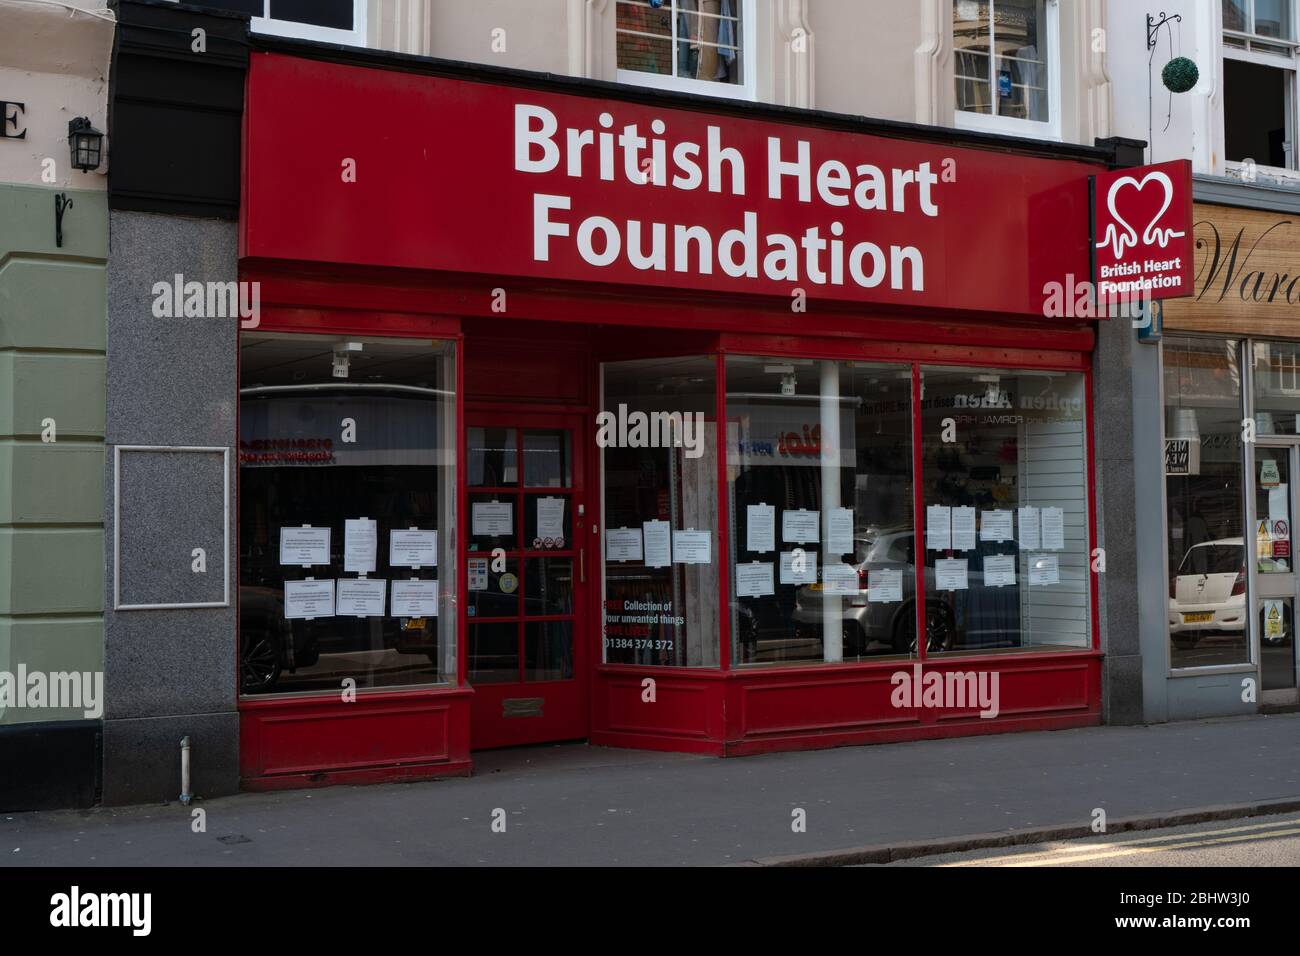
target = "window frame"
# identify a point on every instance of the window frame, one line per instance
(1011, 125)
(292, 29)
(747, 90)
(1289, 63)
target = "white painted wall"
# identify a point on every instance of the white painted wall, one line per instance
(54, 57)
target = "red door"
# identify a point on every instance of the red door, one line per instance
(527, 571)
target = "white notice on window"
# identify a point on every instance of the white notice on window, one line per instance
(950, 574)
(761, 528)
(999, 570)
(304, 546)
(938, 528)
(754, 579)
(305, 600)
(550, 518)
(1028, 529)
(413, 548)
(840, 578)
(996, 526)
(800, 526)
(658, 550)
(414, 598)
(360, 545)
(884, 586)
(622, 544)
(1278, 504)
(1044, 569)
(691, 547)
(798, 567)
(963, 529)
(492, 518)
(1053, 529)
(839, 531)
(360, 597)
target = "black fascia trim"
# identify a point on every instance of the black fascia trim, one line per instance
(582, 86)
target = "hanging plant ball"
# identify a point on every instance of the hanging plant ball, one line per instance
(1180, 74)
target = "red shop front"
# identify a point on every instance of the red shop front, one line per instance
(582, 412)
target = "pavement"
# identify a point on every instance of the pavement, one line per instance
(579, 805)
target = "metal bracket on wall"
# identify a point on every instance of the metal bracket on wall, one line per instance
(1153, 26)
(61, 204)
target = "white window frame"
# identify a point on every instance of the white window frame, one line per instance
(1289, 63)
(748, 90)
(1012, 125)
(309, 31)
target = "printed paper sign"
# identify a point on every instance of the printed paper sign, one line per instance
(360, 597)
(1029, 537)
(1274, 627)
(308, 599)
(1053, 529)
(950, 574)
(691, 547)
(550, 518)
(840, 579)
(999, 570)
(799, 526)
(1044, 569)
(840, 531)
(478, 574)
(360, 545)
(1143, 238)
(996, 526)
(304, 546)
(492, 519)
(754, 579)
(413, 548)
(658, 550)
(414, 599)
(761, 528)
(622, 544)
(938, 528)
(963, 529)
(800, 571)
(884, 586)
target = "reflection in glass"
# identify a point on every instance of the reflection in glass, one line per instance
(820, 442)
(547, 458)
(1277, 644)
(1204, 492)
(493, 456)
(549, 587)
(996, 441)
(400, 472)
(1001, 63)
(493, 652)
(548, 650)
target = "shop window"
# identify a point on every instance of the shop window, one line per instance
(1004, 466)
(1204, 494)
(346, 513)
(820, 497)
(698, 46)
(329, 21)
(657, 431)
(1276, 377)
(1005, 65)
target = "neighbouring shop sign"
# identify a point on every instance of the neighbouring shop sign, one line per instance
(453, 175)
(11, 120)
(1142, 232)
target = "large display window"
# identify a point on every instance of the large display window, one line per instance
(657, 430)
(1205, 497)
(346, 513)
(819, 483)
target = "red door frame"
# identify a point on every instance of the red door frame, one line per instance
(566, 712)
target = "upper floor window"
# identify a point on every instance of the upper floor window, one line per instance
(1259, 86)
(697, 46)
(1006, 65)
(329, 21)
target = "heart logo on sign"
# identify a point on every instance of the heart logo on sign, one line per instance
(1120, 234)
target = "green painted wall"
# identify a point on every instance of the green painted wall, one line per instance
(52, 328)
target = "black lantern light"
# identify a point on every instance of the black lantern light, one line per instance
(86, 144)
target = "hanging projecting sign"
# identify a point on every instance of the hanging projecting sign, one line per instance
(522, 181)
(1142, 232)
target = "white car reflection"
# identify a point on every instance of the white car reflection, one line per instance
(1207, 594)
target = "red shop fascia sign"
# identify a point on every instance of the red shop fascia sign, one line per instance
(381, 168)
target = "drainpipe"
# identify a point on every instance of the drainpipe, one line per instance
(186, 796)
